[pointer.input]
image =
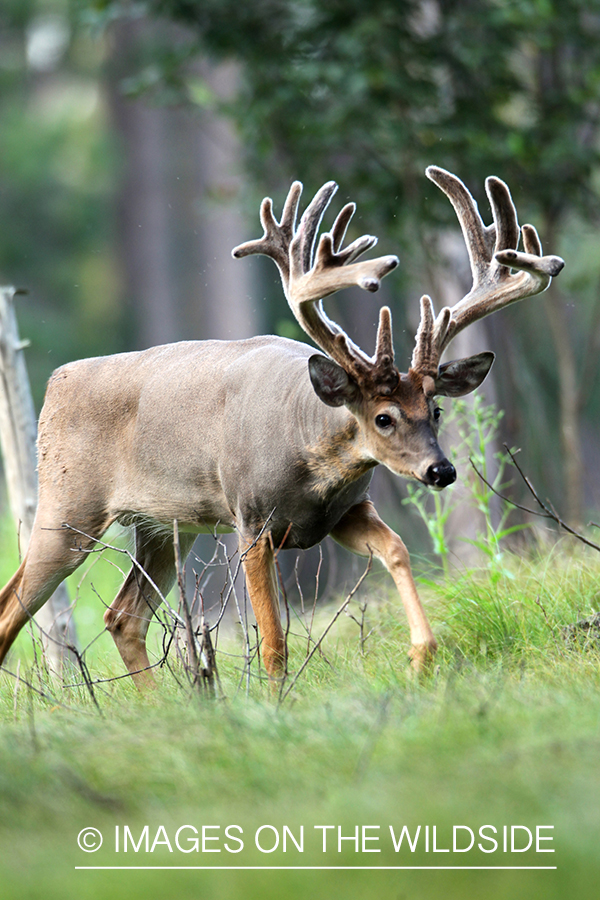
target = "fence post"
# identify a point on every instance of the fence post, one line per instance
(18, 432)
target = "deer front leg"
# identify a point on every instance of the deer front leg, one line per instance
(362, 531)
(261, 583)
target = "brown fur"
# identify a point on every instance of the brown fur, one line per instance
(335, 460)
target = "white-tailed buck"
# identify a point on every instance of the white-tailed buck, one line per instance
(263, 436)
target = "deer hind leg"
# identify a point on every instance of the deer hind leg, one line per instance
(362, 531)
(54, 552)
(261, 583)
(129, 615)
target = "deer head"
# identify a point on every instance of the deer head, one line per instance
(396, 411)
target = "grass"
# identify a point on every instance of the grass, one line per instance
(503, 732)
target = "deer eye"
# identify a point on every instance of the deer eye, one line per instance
(437, 413)
(383, 421)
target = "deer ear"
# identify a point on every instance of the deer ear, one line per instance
(461, 376)
(332, 384)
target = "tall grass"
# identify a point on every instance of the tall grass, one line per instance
(504, 730)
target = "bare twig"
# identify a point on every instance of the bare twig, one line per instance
(86, 676)
(363, 638)
(102, 545)
(192, 647)
(35, 690)
(314, 606)
(332, 622)
(546, 510)
(209, 667)
(298, 585)
(31, 720)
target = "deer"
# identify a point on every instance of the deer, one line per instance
(264, 436)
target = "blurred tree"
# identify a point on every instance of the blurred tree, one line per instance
(374, 90)
(56, 177)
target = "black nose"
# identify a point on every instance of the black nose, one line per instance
(442, 474)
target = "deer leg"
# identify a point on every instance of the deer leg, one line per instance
(362, 531)
(261, 583)
(54, 552)
(129, 615)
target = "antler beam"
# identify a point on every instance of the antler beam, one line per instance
(493, 254)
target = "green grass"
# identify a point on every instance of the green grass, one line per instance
(504, 731)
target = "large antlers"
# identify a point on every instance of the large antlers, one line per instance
(309, 275)
(492, 254)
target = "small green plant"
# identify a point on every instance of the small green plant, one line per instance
(435, 520)
(477, 424)
(478, 428)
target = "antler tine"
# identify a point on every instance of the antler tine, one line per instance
(332, 270)
(303, 245)
(340, 226)
(539, 267)
(531, 241)
(290, 209)
(277, 236)
(384, 346)
(505, 215)
(478, 238)
(424, 358)
(338, 233)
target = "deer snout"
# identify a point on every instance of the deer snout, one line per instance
(441, 474)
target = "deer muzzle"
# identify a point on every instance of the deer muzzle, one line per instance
(441, 474)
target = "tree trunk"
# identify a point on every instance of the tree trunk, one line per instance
(18, 432)
(144, 212)
(568, 388)
(224, 285)
(568, 400)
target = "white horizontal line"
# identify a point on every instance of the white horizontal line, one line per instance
(333, 868)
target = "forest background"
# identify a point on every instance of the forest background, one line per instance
(137, 139)
(136, 142)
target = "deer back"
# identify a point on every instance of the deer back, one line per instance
(213, 433)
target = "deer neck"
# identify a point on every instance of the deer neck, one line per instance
(337, 458)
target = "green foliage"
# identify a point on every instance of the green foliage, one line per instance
(477, 425)
(379, 89)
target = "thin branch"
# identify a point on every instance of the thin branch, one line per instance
(16, 691)
(547, 509)
(135, 563)
(338, 613)
(86, 675)
(192, 647)
(316, 595)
